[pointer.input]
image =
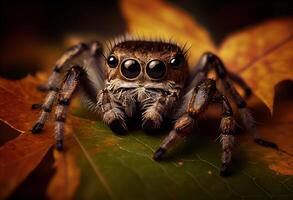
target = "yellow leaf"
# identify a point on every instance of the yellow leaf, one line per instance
(157, 19)
(262, 55)
(21, 155)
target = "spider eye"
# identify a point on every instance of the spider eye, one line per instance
(130, 68)
(156, 69)
(176, 62)
(112, 61)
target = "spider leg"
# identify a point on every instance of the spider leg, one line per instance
(111, 112)
(37, 106)
(46, 110)
(77, 54)
(239, 81)
(227, 131)
(72, 56)
(210, 62)
(153, 115)
(197, 100)
(62, 64)
(68, 88)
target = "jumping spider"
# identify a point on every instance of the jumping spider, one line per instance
(150, 79)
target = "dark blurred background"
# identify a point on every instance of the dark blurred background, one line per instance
(27, 27)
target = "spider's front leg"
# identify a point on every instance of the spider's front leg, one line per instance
(68, 88)
(111, 113)
(69, 73)
(227, 131)
(152, 117)
(195, 102)
(210, 61)
(198, 100)
(64, 96)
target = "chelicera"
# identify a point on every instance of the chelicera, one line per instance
(149, 79)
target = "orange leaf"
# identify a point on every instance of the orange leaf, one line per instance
(262, 55)
(156, 18)
(16, 99)
(20, 156)
(278, 129)
(65, 181)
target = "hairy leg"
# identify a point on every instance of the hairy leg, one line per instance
(111, 112)
(80, 59)
(85, 55)
(46, 110)
(196, 102)
(227, 134)
(154, 114)
(76, 54)
(210, 62)
(68, 88)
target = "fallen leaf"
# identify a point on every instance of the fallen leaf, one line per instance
(66, 179)
(191, 170)
(103, 157)
(21, 155)
(278, 129)
(262, 55)
(21, 93)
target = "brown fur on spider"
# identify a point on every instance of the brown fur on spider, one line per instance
(150, 79)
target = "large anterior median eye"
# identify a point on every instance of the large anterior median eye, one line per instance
(156, 69)
(130, 68)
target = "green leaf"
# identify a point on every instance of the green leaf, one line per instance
(121, 167)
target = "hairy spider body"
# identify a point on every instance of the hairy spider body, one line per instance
(148, 79)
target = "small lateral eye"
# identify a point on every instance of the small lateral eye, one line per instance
(112, 61)
(176, 62)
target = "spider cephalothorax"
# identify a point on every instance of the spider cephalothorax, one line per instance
(145, 77)
(149, 79)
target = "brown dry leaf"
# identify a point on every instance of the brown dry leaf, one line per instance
(16, 99)
(66, 180)
(255, 53)
(278, 129)
(262, 55)
(20, 156)
(157, 19)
